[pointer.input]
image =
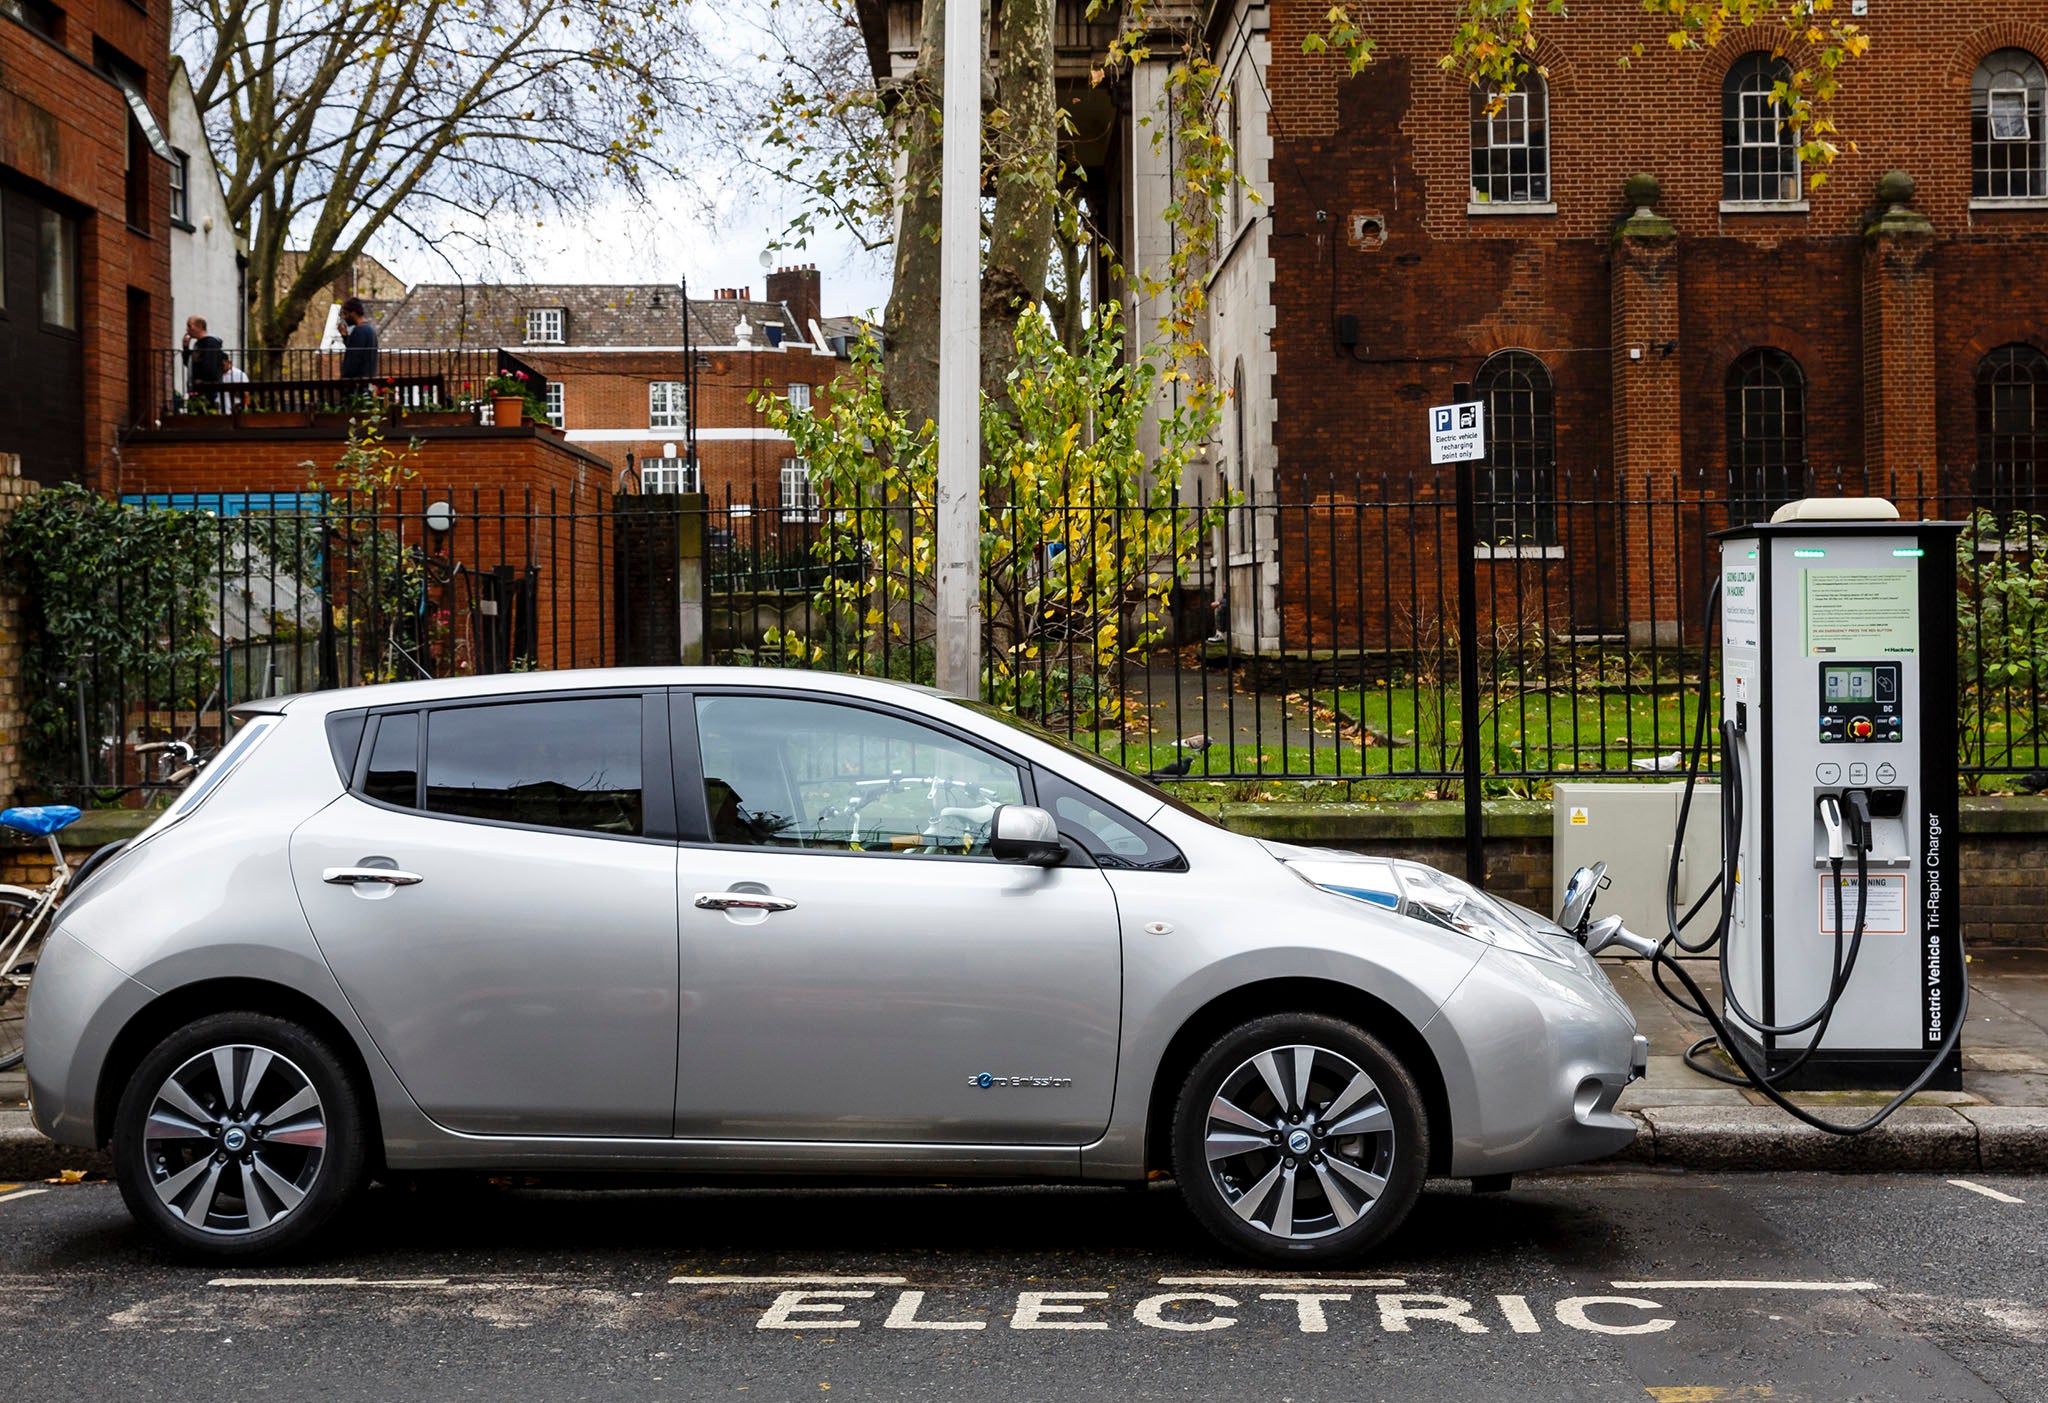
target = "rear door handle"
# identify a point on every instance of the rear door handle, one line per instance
(370, 876)
(742, 901)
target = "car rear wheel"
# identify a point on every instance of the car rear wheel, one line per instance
(239, 1136)
(1300, 1138)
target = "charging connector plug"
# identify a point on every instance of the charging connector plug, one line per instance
(1831, 822)
(1861, 829)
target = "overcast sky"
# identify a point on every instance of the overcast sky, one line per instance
(675, 237)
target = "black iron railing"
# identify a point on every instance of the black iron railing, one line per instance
(183, 384)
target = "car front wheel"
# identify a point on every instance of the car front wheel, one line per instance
(1300, 1138)
(239, 1136)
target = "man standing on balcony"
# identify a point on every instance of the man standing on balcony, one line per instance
(359, 344)
(204, 359)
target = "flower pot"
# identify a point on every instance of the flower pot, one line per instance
(508, 411)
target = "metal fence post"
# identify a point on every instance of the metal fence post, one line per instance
(1468, 660)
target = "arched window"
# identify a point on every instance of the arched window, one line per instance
(1511, 146)
(2008, 140)
(2012, 427)
(1517, 497)
(1766, 434)
(1759, 153)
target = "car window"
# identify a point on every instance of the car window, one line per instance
(786, 772)
(1111, 836)
(571, 762)
(393, 776)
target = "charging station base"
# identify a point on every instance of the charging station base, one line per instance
(1851, 1069)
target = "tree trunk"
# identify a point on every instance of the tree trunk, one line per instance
(910, 361)
(1026, 150)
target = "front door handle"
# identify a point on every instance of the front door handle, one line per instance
(742, 901)
(370, 876)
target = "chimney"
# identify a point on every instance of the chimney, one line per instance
(800, 288)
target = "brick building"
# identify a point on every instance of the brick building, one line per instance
(1628, 265)
(625, 364)
(84, 224)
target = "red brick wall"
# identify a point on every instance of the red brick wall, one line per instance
(521, 496)
(608, 390)
(64, 128)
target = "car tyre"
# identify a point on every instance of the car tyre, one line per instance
(1300, 1138)
(240, 1137)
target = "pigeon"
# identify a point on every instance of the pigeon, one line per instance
(1195, 744)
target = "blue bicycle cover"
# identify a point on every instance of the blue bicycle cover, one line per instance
(43, 819)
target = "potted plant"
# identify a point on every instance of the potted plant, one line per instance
(512, 400)
(190, 411)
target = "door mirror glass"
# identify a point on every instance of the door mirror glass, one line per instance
(1020, 833)
(1579, 892)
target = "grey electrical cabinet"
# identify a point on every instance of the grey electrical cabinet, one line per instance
(1631, 828)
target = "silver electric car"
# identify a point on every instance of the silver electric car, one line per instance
(738, 921)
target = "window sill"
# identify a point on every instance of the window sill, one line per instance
(1510, 207)
(1765, 206)
(2021, 202)
(1484, 552)
(183, 225)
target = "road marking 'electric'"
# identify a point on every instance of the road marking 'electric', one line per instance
(1387, 1283)
(21, 1193)
(789, 1281)
(1746, 1286)
(1988, 1193)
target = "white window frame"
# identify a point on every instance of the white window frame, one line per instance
(1771, 124)
(799, 496)
(556, 401)
(668, 405)
(662, 475)
(544, 326)
(181, 189)
(1500, 125)
(799, 396)
(1991, 114)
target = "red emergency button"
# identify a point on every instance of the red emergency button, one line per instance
(1861, 728)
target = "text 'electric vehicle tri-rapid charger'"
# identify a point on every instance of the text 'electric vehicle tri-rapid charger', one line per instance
(1837, 927)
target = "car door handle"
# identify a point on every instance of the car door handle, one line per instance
(742, 901)
(370, 876)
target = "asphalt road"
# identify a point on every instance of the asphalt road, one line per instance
(1679, 1288)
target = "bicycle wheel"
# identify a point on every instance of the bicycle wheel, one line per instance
(14, 979)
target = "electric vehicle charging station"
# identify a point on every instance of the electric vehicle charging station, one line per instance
(1843, 957)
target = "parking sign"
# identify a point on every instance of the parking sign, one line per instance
(1457, 432)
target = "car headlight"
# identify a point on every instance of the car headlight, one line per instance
(1432, 896)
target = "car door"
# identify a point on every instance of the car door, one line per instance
(518, 970)
(894, 983)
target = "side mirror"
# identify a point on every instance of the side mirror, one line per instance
(1578, 897)
(1020, 833)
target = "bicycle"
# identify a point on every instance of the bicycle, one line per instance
(25, 911)
(25, 915)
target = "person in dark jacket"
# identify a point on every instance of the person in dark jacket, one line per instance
(359, 353)
(205, 361)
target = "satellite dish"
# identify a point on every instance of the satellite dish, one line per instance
(768, 258)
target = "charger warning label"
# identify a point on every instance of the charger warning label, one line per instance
(1884, 905)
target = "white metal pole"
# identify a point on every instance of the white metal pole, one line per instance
(959, 487)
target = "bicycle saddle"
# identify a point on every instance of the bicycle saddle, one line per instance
(40, 820)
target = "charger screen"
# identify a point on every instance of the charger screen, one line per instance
(1848, 684)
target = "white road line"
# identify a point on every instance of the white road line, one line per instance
(416, 1283)
(789, 1281)
(1746, 1286)
(1988, 1193)
(31, 1193)
(1388, 1283)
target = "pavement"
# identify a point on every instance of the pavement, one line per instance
(1997, 1123)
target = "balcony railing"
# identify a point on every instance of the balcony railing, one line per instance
(297, 384)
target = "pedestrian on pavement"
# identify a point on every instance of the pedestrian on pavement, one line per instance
(359, 353)
(203, 358)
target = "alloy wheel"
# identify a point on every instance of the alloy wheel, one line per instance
(1299, 1142)
(235, 1139)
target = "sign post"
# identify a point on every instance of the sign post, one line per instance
(1457, 434)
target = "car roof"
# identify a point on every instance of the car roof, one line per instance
(581, 679)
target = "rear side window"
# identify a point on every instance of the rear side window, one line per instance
(570, 763)
(393, 776)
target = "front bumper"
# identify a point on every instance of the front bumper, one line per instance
(1534, 1057)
